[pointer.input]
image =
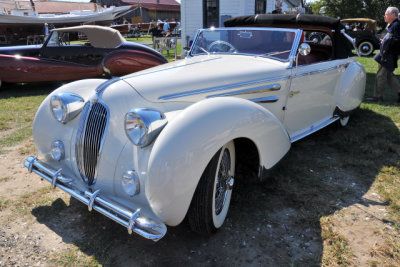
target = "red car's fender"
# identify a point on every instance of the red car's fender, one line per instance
(123, 62)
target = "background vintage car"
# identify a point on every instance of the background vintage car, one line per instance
(105, 52)
(152, 147)
(364, 32)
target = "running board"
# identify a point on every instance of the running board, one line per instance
(313, 129)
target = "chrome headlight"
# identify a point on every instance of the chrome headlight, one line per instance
(143, 125)
(65, 106)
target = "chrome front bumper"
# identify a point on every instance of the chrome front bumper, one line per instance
(133, 221)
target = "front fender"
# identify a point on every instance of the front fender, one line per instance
(352, 87)
(186, 145)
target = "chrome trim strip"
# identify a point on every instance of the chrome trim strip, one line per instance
(261, 89)
(100, 89)
(221, 88)
(313, 129)
(269, 99)
(312, 72)
(131, 220)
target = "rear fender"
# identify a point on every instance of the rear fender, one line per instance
(183, 149)
(123, 62)
(352, 87)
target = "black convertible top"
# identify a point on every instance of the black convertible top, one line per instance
(284, 19)
(342, 45)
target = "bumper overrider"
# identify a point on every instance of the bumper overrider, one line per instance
(132, 220)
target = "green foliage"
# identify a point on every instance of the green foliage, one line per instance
(316, 7)
(373, 9)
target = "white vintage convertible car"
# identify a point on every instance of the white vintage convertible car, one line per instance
(152, 147)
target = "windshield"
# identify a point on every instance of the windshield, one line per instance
(276, 43)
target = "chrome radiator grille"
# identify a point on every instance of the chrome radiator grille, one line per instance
(89, 139)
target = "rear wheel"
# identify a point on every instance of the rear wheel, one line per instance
(344, 121)
(365, 48)
(211, 200)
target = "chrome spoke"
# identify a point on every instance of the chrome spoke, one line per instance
(222, 181)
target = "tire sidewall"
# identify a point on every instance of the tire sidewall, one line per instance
(344, 121)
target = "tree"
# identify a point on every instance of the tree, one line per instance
(373, 9)
(343, 8)
(316, 7)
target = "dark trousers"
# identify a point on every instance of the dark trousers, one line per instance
(383, 77)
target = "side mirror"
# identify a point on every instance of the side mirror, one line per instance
(304, 49)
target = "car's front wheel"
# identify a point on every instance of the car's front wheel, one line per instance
(212, 197)
(365, 48)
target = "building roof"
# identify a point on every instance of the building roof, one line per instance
(161, 5)
(62, 7)
(48, 7)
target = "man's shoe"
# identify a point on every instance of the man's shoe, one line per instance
(374, 99)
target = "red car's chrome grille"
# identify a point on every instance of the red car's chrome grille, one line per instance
(89, 139)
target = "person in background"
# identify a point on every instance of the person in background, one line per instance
(387, 56)
(166, 27)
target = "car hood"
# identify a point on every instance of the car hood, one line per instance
(193, 79)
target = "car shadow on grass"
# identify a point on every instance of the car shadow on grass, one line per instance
(8, 90)
(271, 223)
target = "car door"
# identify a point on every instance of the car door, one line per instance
(310, 101)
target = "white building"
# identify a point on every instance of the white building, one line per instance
(197, 14)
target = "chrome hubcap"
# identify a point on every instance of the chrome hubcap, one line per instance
(224, 182)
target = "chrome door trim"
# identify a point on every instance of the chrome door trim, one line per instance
(268, 99)
(261, 89)
(316, 71)
(221, 88)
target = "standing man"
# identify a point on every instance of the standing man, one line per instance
(388, 55)
(166, 27)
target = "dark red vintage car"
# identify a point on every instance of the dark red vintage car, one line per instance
(104, 53)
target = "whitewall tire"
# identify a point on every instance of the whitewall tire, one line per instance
(210, 203)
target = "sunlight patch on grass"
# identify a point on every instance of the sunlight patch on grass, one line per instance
(15, 137)
(389, 251)
(4, 204)
(73, 257)
(336, 251)
(388, 184)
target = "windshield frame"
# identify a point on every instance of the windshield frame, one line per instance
(292, 54)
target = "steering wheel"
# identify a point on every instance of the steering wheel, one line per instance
(218, 45)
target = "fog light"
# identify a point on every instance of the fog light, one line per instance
(130, 183)
(57, 150)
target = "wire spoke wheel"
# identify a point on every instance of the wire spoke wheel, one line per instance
(221, 183)
(211, 200)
